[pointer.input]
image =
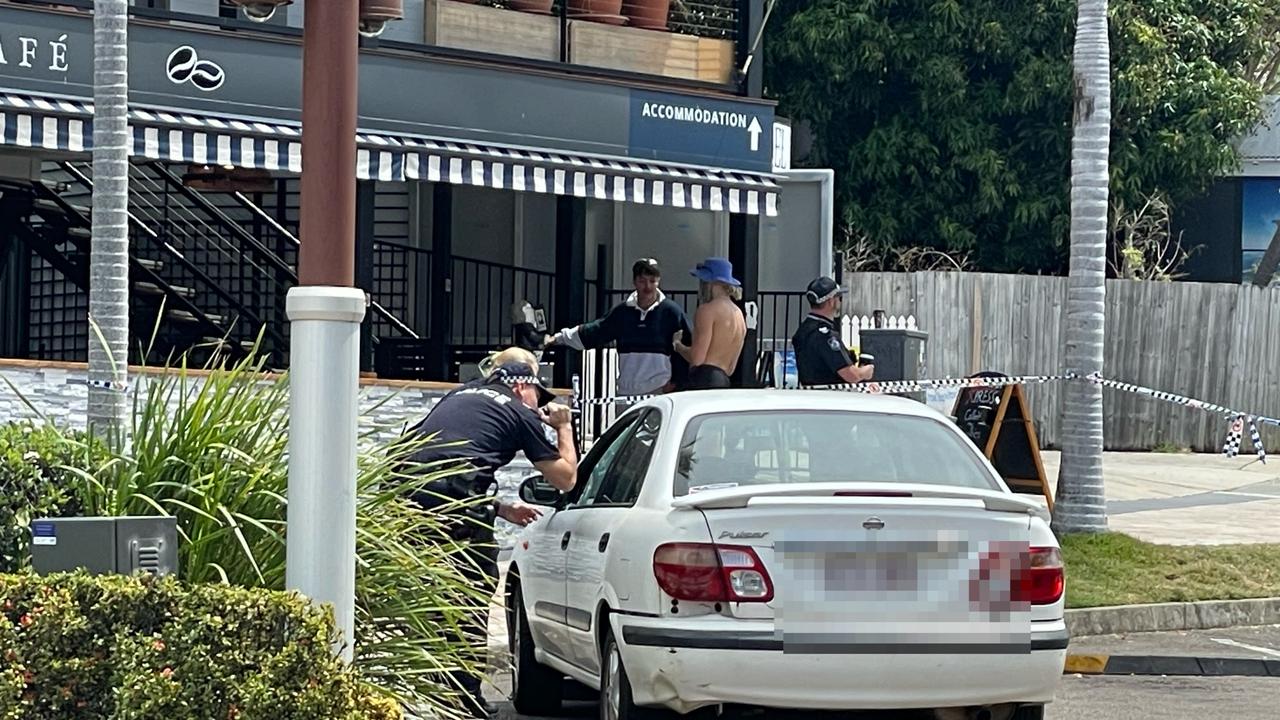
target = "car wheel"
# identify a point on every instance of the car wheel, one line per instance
(1029, 712)
(616, 702)
(535, 688)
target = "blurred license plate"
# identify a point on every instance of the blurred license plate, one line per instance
(862, 572)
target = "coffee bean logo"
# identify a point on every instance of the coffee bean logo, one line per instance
(184, 65)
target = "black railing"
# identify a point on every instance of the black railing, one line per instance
(482, 297)
(780, 316)
(706, 18)
(48, 323)
(402, 286)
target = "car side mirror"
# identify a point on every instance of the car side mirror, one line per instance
(537, 491)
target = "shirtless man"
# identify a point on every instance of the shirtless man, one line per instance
(718, 327)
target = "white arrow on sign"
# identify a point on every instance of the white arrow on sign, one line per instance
(754, 130)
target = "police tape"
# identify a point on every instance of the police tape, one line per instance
(906, 386)
(873, 387)
(104, 385)
(1237, 420)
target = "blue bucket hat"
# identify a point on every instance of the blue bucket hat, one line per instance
(715, 269)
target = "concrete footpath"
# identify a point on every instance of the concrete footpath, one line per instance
(1188, 499)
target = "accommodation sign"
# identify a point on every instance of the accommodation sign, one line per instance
(681, 128)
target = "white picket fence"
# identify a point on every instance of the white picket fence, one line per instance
(851, 325)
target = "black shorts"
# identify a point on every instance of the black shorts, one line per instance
(707, 377)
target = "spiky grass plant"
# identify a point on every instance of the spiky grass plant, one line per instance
(211, 449)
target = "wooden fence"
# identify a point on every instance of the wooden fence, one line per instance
(1214, 342)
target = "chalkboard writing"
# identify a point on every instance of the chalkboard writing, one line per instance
(999, 424)
(975, 411)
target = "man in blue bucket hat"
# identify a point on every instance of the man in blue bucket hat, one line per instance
(718, 327)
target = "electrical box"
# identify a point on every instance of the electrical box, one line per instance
(899, 355)
(105, 545)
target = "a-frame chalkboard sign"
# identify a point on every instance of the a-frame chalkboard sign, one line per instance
(997, 420)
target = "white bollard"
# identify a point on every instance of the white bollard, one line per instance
(324, 379)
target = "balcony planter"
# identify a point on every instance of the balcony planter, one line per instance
(480, 27)
(537, 7)
(651, 52)
(608, 12)
(647, 14)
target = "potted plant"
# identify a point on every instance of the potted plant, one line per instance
(647, 14)
(536, 7)
(608, 12)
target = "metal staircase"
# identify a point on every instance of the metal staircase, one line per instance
(209, 271)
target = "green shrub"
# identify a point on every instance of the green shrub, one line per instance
(138, 648)
(216, 458)
(35, 482)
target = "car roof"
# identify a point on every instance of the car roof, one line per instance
(690, 404)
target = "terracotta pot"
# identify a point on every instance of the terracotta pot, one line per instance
(648, 14)
(537, 7)
(595, 8)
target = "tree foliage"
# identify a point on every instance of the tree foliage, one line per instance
(1266, 66)
(949, 123)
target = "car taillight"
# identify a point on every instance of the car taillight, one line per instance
(1040, 580)
(1026, 576)
(703, 572)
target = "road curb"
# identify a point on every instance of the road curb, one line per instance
(1166, 617)
(1097, 664)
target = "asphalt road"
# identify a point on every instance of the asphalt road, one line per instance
(1111, 698)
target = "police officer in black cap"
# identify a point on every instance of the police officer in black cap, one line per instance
(821, 358)
(485, 424)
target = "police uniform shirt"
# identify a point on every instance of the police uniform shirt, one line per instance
(491, 425)
(819, 353)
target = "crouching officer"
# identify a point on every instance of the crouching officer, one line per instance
(821, 358)
(486, 424)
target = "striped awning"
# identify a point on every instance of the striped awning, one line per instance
(67, 125)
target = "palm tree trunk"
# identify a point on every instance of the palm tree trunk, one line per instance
(109, 255)
(1080, 505)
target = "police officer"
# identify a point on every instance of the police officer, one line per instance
(485, 424)
(821, 359)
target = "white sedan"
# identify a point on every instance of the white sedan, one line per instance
(787, 549)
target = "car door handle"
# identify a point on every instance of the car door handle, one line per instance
(564, 541)
(604, 542)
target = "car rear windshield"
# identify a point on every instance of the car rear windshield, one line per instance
(763, 448)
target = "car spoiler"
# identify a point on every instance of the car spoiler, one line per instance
(896, 493)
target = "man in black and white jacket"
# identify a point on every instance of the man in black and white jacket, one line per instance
(642, 326)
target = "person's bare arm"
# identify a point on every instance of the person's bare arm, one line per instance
(677, 344)
(563, 471)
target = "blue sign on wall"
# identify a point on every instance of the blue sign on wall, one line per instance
(701, 131)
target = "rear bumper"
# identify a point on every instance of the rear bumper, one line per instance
(684, 667)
